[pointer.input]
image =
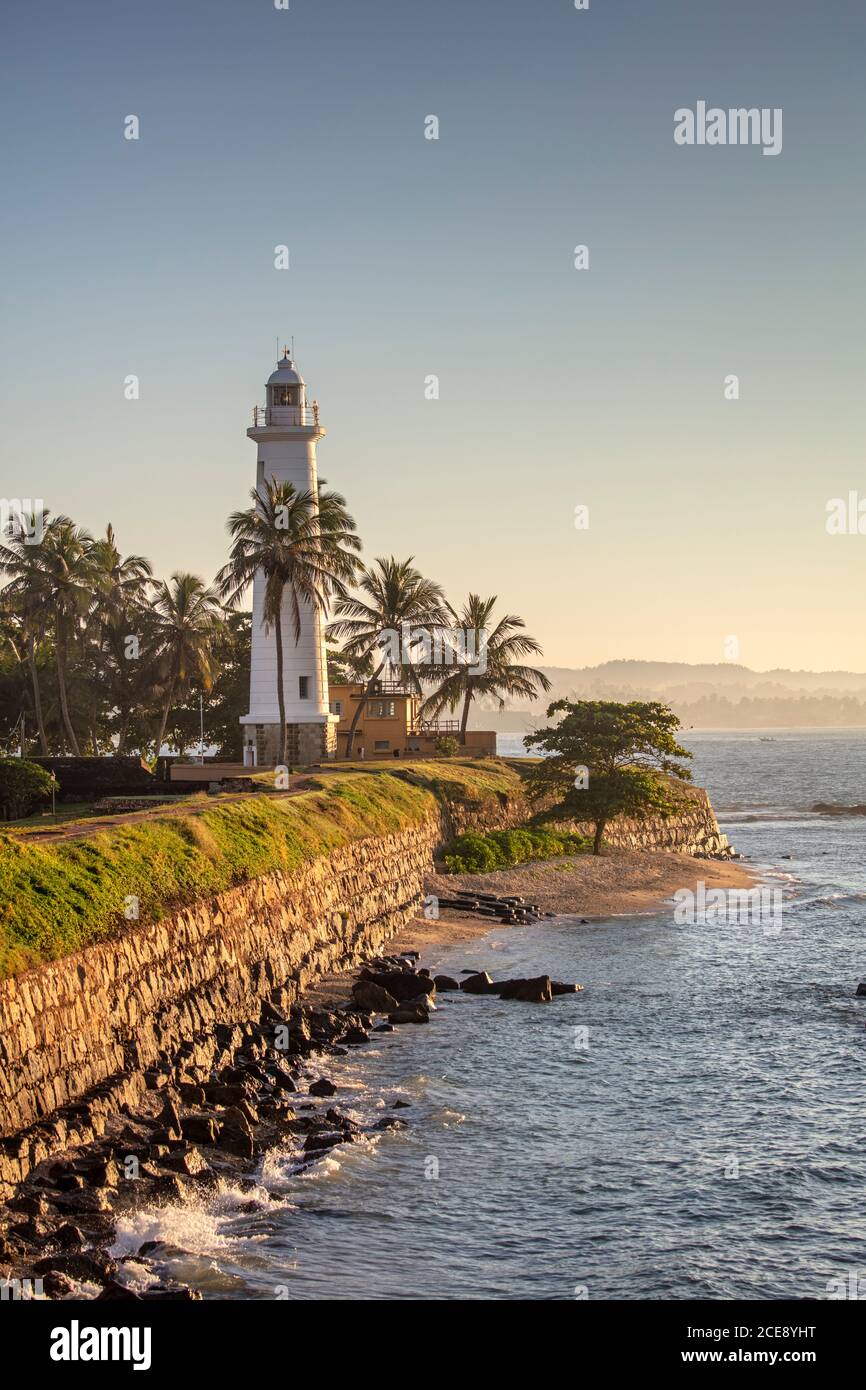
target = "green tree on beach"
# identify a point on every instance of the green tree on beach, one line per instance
(605, 760)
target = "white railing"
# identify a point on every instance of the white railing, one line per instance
(285, 415)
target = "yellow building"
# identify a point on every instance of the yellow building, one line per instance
(391, 727)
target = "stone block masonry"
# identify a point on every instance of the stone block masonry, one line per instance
(78, 1035)
(694, 831)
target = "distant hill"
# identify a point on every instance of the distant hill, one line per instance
(721, 695)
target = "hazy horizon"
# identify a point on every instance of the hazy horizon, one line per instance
(721, 695)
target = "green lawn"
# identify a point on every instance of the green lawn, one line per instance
(58, 897)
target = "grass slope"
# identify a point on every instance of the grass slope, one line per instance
(57, 898)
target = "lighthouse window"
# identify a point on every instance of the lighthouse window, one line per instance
(303, 687)
(285, 395)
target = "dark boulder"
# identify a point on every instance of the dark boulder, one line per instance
(354, 1037)
(57, 1285)
(199, 1129)
(282, 1081)
(81, 1203)
(368, 995)
(220, 1094)
(322, 1087)
(33, 1231)
(191, 1093)
(234, 1141)
(188, 1161)
(94, 1266)
(410, 1012)
(316, 1143)
(180, 1293)
(167, 1187)
(169, 1121)
(100, 1172)
(115, 1290)
(68, 1237)
(536, 991)
(402, 984)
(342, 1122)
(29, 1205)
(445, 982)
(477, 984)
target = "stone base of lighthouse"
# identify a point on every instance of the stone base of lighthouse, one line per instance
(313, 741)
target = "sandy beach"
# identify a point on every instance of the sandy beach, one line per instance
(615, 883)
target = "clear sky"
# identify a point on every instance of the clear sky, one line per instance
(411, 257)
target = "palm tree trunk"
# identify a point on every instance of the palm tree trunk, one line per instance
(64, 699)
(361, 703)
(165, 713)
(281, 693)
(37, 695)
(464, 718)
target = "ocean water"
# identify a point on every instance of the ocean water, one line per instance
(689, 1126)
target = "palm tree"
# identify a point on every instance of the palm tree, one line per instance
(54, 576)
(118, 580)
(394, 593)
(66, 563)
(498, 674)
(304, 544)
(12, 643)
(120, 591)
(27, 596)
(186, 618)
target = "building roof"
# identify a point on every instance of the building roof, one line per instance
(286, 373)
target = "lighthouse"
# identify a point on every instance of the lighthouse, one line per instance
(286, 432)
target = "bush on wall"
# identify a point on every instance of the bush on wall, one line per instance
(23, 787)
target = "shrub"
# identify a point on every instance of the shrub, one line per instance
(447, 747)
(22, 787)
(500, 849)
(472, 854)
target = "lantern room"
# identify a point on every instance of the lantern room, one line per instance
(286, 385)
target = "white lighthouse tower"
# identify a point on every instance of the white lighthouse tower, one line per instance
(286, 432)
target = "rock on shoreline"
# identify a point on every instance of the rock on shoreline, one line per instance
(190, 1134)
